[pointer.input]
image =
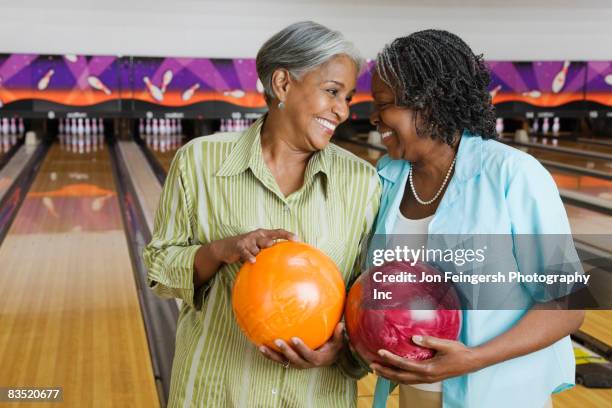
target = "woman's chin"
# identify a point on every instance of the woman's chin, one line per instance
(319, 143)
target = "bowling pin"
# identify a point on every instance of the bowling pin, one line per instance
(155, 127)
(5, 126)
(493, 92)
(97, 84)
(559, 80)
(13, 127)
(171, 128)
(499, 126)
(545, 126)
(535, 127)
(166, 79)
(101, 126)
(43, 83)
(61, 127)
(80, 127)
(556, 126)
(87, 126)
(94, 127)
(179, 126)
(73, 128)
(532, 94)
(188, 94)
(141, 127)
(236, 93)
(20, 127)
(155, 92)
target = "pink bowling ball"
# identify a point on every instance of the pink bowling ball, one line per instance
(415, 308)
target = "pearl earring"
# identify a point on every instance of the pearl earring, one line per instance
(281, 105)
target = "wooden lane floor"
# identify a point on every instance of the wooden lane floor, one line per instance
(592, 186)
(365, 393)
(68, 301)
(164, 156)
(572, 144)
(6, 143)
(588, 163)
(582, 397)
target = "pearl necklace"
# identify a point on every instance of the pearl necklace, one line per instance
(450, 169)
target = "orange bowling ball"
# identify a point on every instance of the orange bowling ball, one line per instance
(292, 290)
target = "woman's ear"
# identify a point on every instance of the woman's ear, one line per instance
(281, 83)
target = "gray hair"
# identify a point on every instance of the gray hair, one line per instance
(300, 48)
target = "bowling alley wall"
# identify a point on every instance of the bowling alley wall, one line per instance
(32, 84)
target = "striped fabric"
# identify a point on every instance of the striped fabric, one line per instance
(219, 186)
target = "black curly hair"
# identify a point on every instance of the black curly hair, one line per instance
(437, 75)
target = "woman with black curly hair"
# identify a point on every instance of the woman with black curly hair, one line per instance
(444, 174)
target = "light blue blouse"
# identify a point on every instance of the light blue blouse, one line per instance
(495, 189)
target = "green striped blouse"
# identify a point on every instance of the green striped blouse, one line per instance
(219, 186)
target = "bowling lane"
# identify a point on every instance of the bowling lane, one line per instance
(582, 397)
(591, 186)
(568, 158)
(572, 144)
(6, 143)
(164, 152)
(606, 141)
(68, 300)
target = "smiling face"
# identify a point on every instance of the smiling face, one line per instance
(319, 101)
(396, 124)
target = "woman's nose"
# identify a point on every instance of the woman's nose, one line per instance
(341, 110)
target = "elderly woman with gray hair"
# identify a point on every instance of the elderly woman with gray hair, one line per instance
(227, 196)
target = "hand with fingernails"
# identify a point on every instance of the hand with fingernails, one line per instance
(452, 359)
(245, 247)
(299, 355)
